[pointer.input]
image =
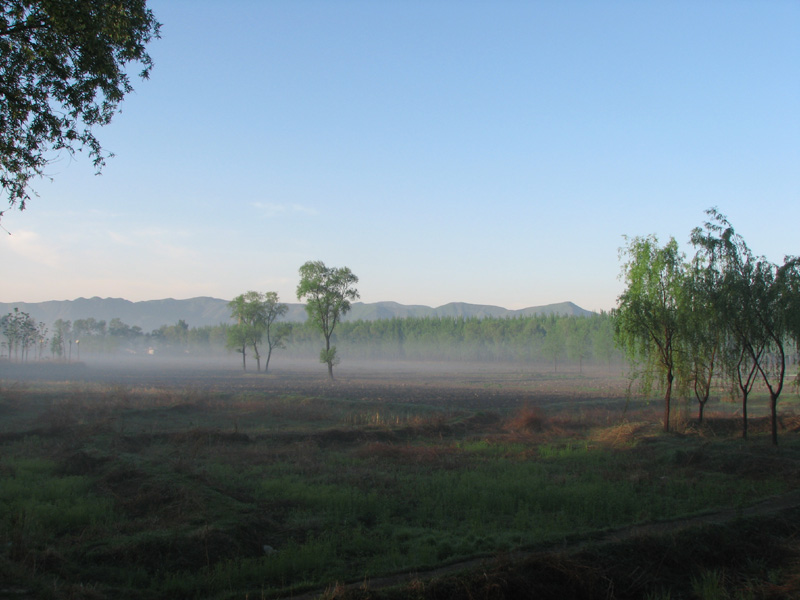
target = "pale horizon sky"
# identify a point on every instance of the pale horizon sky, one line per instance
(447, 151)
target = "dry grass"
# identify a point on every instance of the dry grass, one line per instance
(528, 419)
(622, 435)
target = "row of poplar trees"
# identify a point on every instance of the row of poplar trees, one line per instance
(726, 313)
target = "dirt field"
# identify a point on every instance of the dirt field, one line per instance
(477, 385)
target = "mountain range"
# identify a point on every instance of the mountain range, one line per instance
(202, 311)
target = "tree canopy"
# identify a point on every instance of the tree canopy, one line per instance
(727, 312)
(757, 303)
(648, 318)
(255, 314)
(328, 292)
(63, 72)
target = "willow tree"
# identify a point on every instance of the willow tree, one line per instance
(702, 332)
(328, 292)
(758, 304)
(648, 318)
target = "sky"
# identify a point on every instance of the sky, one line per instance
(445, 151)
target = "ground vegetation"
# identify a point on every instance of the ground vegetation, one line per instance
(468, 482)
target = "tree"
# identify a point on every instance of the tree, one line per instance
(272, 308)
(603, 338)
(328, 293)
(758, 305)
(41, 338)
(578, 343)
(726, 262)
(255, 314)
(555, 340)
(702, 332)
(62, 333)
(63, 72)
(237, 339)
(20, 331)
(648, 317)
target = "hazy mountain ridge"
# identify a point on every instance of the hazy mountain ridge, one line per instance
(203, 310)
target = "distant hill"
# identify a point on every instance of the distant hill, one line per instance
(198, 312)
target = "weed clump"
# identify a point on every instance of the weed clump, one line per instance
(528, 419)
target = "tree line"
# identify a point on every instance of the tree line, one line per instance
(725, 315)
(554, 341)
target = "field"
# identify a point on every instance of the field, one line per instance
(395, 480)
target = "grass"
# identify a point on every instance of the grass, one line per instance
(158, 492)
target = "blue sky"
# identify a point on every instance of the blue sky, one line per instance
(483, 152)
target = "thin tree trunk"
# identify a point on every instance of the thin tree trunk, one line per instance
(744, 414)
(773, 404)
(667, 399)
(775, 392)
(266, 362)
(327, 353)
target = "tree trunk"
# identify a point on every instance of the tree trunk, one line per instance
(329, 361)
(266, 362)
(744, 414)
(773, 405)
(667, 399)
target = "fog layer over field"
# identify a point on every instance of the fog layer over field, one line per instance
(286, 373)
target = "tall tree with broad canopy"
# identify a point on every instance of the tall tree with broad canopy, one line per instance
(648, 317)
(63, 72)
(328, 292)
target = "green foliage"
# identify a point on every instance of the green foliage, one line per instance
(21, 333)
(755, 304)
(650, 312)
(64, 68)
(328, 292)
(710, 585)
(728, 311)
(328, 356)
(255, 314)
(522, 339)
(491, 339)
(38, 505)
